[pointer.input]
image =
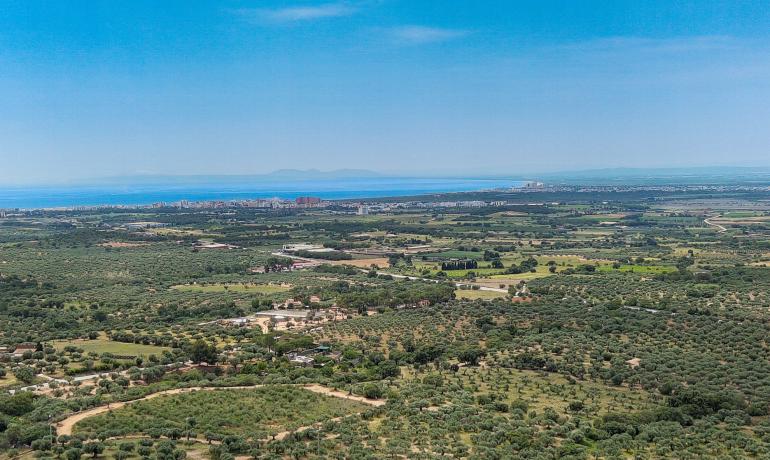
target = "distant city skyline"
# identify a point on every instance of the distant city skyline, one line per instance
(403, 87)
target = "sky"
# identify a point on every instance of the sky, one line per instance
(445, 87)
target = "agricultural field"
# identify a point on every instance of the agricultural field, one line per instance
(234, 287)
(258, 413)
(100, 346)
(560, 324)
(473, 294)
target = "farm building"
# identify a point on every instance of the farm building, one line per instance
(284, 315)
(144, 225)
(23, 348)
(302, 360)
(236, 322)
(304, 264)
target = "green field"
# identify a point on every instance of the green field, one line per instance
(456, 255)
(8, 380)
(233, 287)
(109, 346)
(473, 294)
(648, 269)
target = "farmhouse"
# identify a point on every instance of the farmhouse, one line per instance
(302, 360)
(23, 348)
(236, 322)
(300, 247)
(301, 264)
(288, 304)
(285, 315)
(143, 225)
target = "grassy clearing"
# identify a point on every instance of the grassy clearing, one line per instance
(109, 346)
(473, 294)
(741, 214)
(646, 269)
(8, 380)
(485, 272)
(457, 255)
(234, 287)
(180, 231)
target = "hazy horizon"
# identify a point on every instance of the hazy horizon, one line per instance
(92, 90)
(597, 176)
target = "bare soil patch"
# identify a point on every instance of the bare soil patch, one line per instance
(122, 244)
(381, 262)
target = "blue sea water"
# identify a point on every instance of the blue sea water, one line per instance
(127, 194)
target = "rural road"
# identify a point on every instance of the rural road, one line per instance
(412, 278)
(417, 278)
(66, 426)
(81, 378)
(720, 228)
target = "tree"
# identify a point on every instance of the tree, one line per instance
(164, 450)
(93, 448)
(190, 423)
(277, 263)
(100, 316)
(373, 391)
(152, 374)
(173, 433)
(19, 404)
(471, 355)
(73, 454)
(576, 406)
(200, 352)
(25, 374)
(127, 446)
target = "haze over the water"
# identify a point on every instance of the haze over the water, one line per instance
(99, 89)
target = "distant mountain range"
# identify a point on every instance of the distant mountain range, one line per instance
(706, 174)
(315, 174)
(658, 172)
(636, 176)
(275, 176)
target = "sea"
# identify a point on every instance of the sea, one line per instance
(46, 197)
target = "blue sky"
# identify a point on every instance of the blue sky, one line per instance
(102, 88)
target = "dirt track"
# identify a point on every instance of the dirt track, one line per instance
(720, 228)
(66, 426)
(315, 388)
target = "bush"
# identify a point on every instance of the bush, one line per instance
(373, 391)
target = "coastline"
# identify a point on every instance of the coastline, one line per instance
(64, 197)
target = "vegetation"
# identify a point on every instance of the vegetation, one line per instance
(601, 325)
(249, 414)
